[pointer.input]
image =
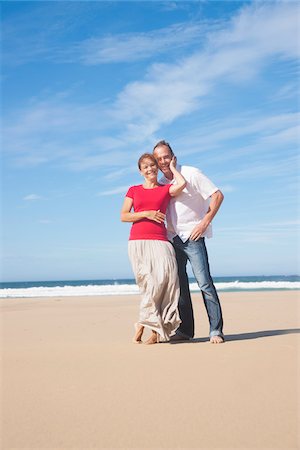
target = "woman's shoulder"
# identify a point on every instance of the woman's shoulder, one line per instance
(133, 189)
(135, 186)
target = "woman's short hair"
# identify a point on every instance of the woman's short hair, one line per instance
(146, 156)
(166, 144)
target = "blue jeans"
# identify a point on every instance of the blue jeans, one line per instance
(195, 252)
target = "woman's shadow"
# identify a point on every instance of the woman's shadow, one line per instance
(245, 336)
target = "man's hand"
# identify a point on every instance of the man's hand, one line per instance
(156, 216)
(199, 230)
(215, 202)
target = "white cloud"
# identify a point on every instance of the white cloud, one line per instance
(255, 129)
(258, 34)
(260, 169)
(136, 46)
(227, 188)
(35, 32)
(286, 92)
(253, 38)
(260, 232)
(118, 190)
(271, 28)
(57, 129)
(32, 197)
(289, 135)
(116, 174)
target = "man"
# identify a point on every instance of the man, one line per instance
(189, 218)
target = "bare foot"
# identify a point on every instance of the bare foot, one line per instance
(216, 340)
(153, 339)
(139, 329)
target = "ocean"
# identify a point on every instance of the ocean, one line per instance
(65, 288)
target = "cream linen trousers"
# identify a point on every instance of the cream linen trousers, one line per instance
(155, 269)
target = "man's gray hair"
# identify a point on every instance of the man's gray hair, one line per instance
(166, 144)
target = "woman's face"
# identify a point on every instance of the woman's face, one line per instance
(149, 169)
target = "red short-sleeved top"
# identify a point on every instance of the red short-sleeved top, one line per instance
(145, 200)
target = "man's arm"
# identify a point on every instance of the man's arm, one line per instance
(215, 203)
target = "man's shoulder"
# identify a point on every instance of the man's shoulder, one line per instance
(190, 171)
(189, 168)
(187, 171)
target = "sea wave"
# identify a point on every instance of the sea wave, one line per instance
(130, 289)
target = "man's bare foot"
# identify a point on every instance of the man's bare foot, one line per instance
(216, 340)
(153, 339)
(139, 329)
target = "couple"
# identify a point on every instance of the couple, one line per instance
(189, 201)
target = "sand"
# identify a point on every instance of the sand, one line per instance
(72, 379)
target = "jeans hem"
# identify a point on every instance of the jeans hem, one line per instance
(186, 336)
(216, 333)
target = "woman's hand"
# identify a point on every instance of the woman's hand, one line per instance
(156, 216)
(173, 164)
(180, 182)
(128, 216)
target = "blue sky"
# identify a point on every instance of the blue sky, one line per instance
(87, 87)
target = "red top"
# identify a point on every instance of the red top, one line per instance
(146, 200)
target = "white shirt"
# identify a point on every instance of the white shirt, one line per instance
(187, 209)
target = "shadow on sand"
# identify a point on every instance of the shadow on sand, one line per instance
(244, 336)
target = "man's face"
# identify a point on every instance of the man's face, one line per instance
(163, 156)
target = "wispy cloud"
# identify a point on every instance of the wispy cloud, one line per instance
(37, 35)
(256, 129)
(286, 92)
(118, 190)
(235, 54)
(79, 135)
(271, 26)
(136, 46)
(264, 232)
(56, 129)
(35, 32)
(273, 169)
(227, 188)
(116, 174)
(32, 197)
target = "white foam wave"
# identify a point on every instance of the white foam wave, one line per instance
(71, 291)
(253, 285)
(129, 289)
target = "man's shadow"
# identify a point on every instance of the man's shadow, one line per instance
(245, 336)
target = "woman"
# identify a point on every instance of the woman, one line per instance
(151, 254)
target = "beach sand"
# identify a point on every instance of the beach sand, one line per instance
(72, 379)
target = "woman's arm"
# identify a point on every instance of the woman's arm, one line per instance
(128, 216)
(175, 189)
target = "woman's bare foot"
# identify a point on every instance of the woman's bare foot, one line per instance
(153, 339)
(216, 340)
(139, 329)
